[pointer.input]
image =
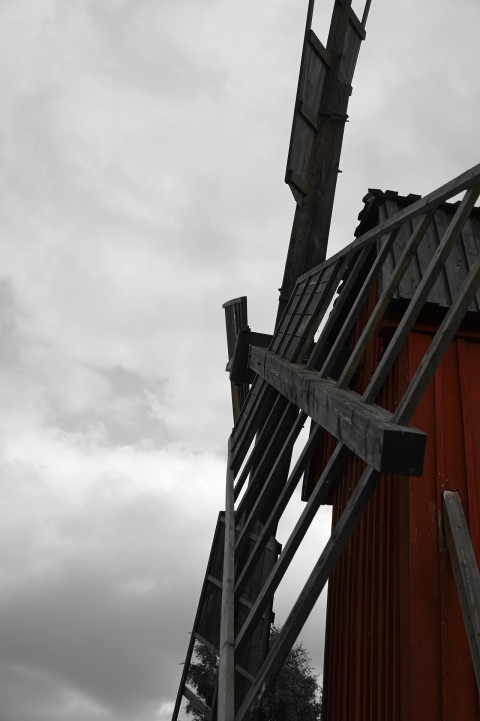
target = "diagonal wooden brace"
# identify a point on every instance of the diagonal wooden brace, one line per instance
(367, 429)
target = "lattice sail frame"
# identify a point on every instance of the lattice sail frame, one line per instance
(307, 366)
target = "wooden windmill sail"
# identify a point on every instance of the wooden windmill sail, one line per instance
(351, 382)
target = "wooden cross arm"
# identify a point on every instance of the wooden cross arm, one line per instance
(367, 429)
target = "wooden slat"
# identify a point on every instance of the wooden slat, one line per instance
(439, 345)
(275, 436)
(421, 295)
(384, 300)
(236, 319)
(309, 595)
(367, 430)
(198, 615)
(320, 149)
(318, 310)
(319, 49)
(427, 204)
(204, 641)
(320, 351)
(244, 674)
(256, 410)
(197, 702)
(465, 570)
(262, 495)
(321, 492)
(186, 667)
(226, 669)
(279, 507)
(262, 442)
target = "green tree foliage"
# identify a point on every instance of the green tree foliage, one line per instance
(295, 694)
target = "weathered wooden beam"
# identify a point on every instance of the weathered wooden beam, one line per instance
(465, 570)
(238, 364)
(421, 294)
(200, 705)
(366, 429)
(278, 508)
(236, 318)
(383, 303)
(320, 140)
(226, 669)
(429, 203)
(310, 593)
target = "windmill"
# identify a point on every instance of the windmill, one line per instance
(377, 346)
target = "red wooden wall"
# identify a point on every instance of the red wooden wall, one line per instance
(396, 648)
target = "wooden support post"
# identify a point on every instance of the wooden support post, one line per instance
(465, 570)
(236, 320)
(226, 673)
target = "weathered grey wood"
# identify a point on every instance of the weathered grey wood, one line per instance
(258, 450)
(186, 667)
(365, 12)
(254, 413)
(198, 616)
(439, 345)
(311, 225)
(331, 553)
(239, 372)
(204, 641)
(317, 309)
(320, 493)
(366, 429)
(226, 670)
(261, 495)
(319, 49)
(273, 437)
(245, 674)
(384, 301)
(421, 295)
(428, 203)
(279, 507)
(197, 702)
(465, 570)
(310, 593)
(320, 351)
(471, 243)
(236, 319)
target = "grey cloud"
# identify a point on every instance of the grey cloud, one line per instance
(105, 609)
(139, 43)
(125, 416)
(9, 345)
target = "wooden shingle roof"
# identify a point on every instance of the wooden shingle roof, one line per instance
(380, 205)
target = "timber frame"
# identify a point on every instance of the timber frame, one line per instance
(309, 371)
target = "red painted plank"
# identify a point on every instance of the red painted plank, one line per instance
(396, 648)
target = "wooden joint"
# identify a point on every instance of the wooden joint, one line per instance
(293, 178)
(319, 49)
(367, 429)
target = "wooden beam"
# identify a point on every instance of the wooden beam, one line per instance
(309, 595)
(238, 365)
(366, 429)
(226, 669)
(197, 702)
(421, 294)
(311, 224)
(429, 203)
(236, 318)
(465, 570)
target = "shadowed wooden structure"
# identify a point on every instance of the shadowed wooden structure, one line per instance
(378, 347)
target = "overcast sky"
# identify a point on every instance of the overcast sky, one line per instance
(142, 153)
